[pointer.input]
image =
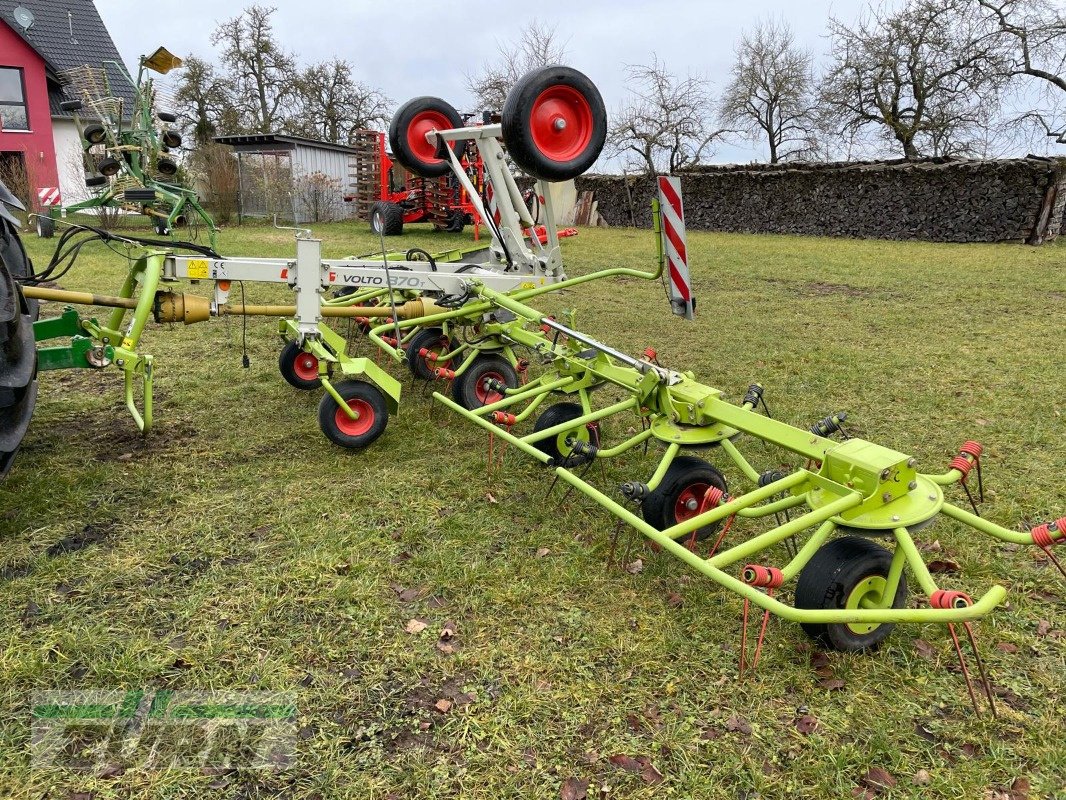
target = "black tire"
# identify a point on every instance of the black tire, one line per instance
(432, 339)
(686, 480)
(168, 117)
(456, 221)
(165, 167)
(159, 224)
(369, 404)
(828, 579)
(298, 367)
(94, 134)
(171, 139)
(109, 166)
(554, 123)
(386, 218)
(557, 415)
(407, 133)
(469, 389)
(18, 353)
(46, 227)
(96, 181)
(13, 254)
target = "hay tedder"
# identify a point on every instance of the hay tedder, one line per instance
(806, 543)
(128, 147)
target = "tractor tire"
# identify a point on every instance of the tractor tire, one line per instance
(108, 166)
(18, 354)
(686, 480)
(557, 414)
(14, 255)
(830, 580)
(554, 123)
(94, 134)
(367, 401)
(386, 219)
(298, 367)
(171, 139)
(407, 135)
(469, 389)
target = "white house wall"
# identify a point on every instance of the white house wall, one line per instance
(334, 163)
(67, 140)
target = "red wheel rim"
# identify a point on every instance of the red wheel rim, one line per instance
(355, 427)
(441, 346)
(485, 395)
(305, 367)
(421, 124)
(561, 123)
(693, 491)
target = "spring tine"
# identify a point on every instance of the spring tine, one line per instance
(981, 668)
(965, 671)
(980, 481)
(743, 638)
(614, 543)
(1055, 561)
(555, 480)
(969, 494)
(762, 638)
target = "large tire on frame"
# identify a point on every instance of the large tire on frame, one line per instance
(560, 413)
(46, 227)
(840, 575)
(471, 389)
(407, 135)
(679, 496)
(355, 434)
(554, 123)
(298, 367)
(386, 219)
(18, 353)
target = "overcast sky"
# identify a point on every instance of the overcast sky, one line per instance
(423, 47)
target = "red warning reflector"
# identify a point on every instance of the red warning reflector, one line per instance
(675, 249)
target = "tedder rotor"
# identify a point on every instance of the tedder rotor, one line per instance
(805, 543)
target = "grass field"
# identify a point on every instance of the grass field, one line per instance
(236, 548)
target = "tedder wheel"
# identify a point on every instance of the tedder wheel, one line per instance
(434, 340)
(557, 414)
(46, 227)
(679, 497)
(363, 398)
(109, 166)
(386, 218)
(171, 139)
(298, 367)
(407, 135)
(842, 574)
(96, 181)
(168, 117)
(470, 389)
(166, 166)
(554, 123)
(94, 134)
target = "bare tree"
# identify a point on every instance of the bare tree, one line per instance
(1032, 39)
(664, 125)
(260, 72)
(538, 45)
(332, 105)
(770, 94)
(204, 100)
(917, 75)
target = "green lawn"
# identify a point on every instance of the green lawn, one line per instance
(236, 548)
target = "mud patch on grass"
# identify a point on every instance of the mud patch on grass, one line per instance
(93, 533)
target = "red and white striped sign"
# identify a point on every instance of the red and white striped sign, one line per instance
(49, 196)
(672, 213)
(494, 208)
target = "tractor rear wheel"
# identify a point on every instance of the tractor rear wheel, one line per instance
(407, 135)
(472, 389)
(679, 496)
(386, 219)
(842, 574)
(18, 353)
(554, 123)
(298, 367)
(365, 400)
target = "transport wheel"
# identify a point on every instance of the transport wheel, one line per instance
(407, 135)
(386, 218)
(679, 496)
(434, 340)
(298, 367)
(96, 181)
(171, 139)
(363, 398)
(842, 574)
(46, 227)
(554, 123)
(557, 447)
(94, 134)
(471, 389)
(109, 166)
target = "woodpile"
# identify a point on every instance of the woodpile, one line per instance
(940, 200)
